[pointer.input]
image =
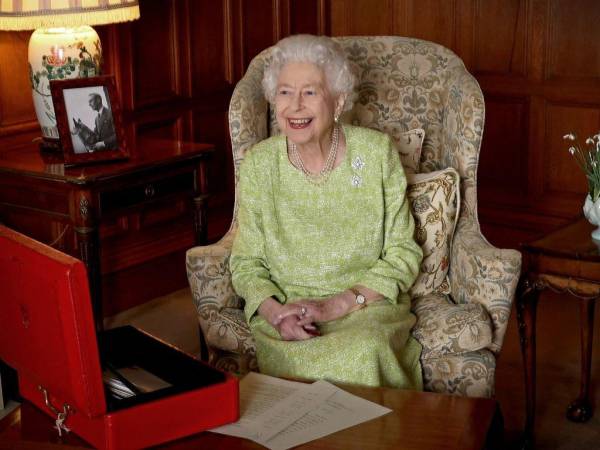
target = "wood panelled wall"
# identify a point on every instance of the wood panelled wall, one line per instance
(175, 68)
(538, 63)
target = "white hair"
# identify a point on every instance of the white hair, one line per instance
(321, 51)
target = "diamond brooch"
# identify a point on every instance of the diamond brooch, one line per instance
(358, 163)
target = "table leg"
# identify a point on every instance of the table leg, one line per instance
(581, 409)
(527, 298)
(87, 233)
(88, 242)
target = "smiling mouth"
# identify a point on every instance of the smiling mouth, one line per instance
(298, 124)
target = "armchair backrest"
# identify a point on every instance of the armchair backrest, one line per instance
(403, 83)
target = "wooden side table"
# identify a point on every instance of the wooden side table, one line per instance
(566, 261)
(113, 216)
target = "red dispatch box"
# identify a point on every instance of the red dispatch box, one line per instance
(156, 393)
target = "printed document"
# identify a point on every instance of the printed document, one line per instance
(280, 414)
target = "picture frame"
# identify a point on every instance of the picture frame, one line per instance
(88, 117)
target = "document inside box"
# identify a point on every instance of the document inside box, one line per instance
(129, 381)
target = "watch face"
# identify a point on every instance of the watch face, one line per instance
(360, 299)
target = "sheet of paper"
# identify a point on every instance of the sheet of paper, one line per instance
(268, 405)
(339, 411)
(280, 414)
(293, 408)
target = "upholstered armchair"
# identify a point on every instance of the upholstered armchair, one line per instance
(403, 84)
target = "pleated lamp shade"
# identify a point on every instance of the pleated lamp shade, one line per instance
(64, 45)
(33, 14)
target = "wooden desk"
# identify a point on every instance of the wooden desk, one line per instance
(114, 216)
(565, 261)
(420, 420)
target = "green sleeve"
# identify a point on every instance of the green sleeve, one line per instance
(249, 271)
(398, 265)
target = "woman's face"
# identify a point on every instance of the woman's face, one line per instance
(304, 107)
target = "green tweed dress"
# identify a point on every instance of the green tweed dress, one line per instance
(297, 240)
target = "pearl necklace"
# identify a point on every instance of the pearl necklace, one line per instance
(321, 176)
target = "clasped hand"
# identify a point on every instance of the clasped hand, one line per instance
(297, 321)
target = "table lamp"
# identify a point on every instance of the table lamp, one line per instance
(63, 45)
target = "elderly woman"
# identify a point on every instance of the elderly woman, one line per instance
(324, 253)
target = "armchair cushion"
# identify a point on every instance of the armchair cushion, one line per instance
(444, 327)
(435, 200)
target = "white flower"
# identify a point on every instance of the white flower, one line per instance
(356, 181)
(358, 163)
(588, 161)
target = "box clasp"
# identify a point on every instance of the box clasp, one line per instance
(61, 416)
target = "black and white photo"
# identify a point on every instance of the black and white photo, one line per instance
(91, 120)
(88, 118)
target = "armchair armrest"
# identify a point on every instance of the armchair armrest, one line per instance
(482, 273)
(209, 277)
(220, 309)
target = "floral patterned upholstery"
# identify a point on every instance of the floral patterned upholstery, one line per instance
(409, 145)
(435, 203)
(444, 328)
(468, 374)
(403, 83)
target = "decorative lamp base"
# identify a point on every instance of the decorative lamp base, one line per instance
(59, 54)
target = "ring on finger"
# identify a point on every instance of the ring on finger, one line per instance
(303, 311)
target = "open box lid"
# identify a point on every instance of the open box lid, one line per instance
(47, 328)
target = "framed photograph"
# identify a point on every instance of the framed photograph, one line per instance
(89, 121)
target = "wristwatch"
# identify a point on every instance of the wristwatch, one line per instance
(359, 298)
